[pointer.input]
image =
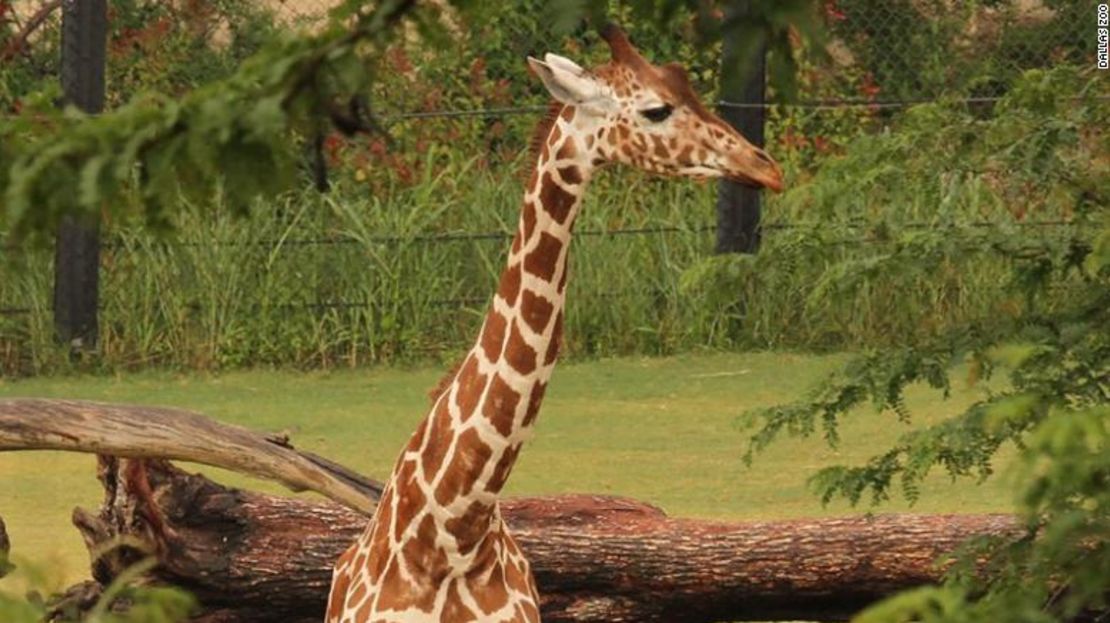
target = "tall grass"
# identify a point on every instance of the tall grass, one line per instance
(405, 272)
(350, 278)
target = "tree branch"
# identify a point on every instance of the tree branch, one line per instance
(19, 41)
(155, 432)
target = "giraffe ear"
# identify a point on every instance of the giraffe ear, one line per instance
(572, 85)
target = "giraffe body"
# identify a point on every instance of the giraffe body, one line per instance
(437, 549)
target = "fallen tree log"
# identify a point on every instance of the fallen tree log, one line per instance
(254, 557)
(251, 557)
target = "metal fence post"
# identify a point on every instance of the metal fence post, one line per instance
(738, 207)
(77, 245)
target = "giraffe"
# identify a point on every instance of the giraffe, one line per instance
(437, 548)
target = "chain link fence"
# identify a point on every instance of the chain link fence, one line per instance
(878, 50)
(914, 50)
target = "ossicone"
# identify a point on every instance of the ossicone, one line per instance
(620, 47)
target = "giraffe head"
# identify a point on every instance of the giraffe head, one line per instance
(649, 117)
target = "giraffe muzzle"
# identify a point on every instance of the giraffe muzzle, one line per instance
(768, 176)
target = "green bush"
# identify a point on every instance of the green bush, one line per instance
(1042, 155)
(120, 602)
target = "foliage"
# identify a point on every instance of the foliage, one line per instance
(1043, 154)
(241, 128)
(169, 47)
(157, 146)
(120, 602)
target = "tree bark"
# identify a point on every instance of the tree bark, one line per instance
(251, 557)
(157, 432)
(254, 557)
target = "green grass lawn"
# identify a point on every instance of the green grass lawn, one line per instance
(661, 430)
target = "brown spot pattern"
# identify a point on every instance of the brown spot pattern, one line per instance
(360, 560)
(423, 558)
(518, 353)
(500, 405)
(454, 611)
(487, 585)
(532, 615)
(493, 334)
(661, 150)
(379, 545)
(685, 156)
(517, 581)
(417, 438)
(363, 613)
(379, 554)
(358, 593)
(556, 341)
(411, 503)
(503, 468)
(469, 529)
(439, 440)
(337, 599)
(471, 385)
(396, 592)
(571, 175)
(528, 216)
(471, 455)
(535, 310)
(510, 284)
(555, 200)
(534, 401)
(542, 260)
(568, 150)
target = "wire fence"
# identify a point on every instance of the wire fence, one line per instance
(911, 51)
(505, 236)
(878, 51)
(824, 105)
(869, 230)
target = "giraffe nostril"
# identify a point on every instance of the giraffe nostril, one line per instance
(762, 155)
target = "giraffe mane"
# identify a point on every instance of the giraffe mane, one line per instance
(535, 146)
(444, 383)
(543, 128)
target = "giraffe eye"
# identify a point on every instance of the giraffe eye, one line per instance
(657, 114)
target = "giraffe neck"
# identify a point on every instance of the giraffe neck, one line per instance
(468, 444)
